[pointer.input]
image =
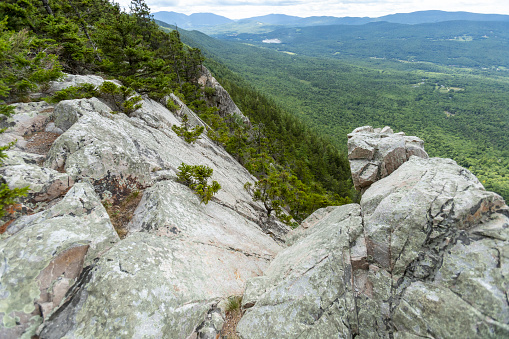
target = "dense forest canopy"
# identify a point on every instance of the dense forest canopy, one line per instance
(461, 113)
(298, 169)
(472, 44)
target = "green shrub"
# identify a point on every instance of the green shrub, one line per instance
(75, 92)
(121, 97)
(8, 197)
(196, 178)
(172, 106)
(190, 135)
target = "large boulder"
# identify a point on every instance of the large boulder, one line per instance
(75, 80)
(424, 255)
(67, 112)
(27, 119)
(443, 240)
(43, 255)
(45, 184)
(376, 153)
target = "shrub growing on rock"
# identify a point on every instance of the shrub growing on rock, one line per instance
(121, 97)
(196, 177)
(190, 135)
(85, 90)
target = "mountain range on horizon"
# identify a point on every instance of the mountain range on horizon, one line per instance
(204, 21)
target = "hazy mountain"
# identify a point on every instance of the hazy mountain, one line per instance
(216, 25)
(422, 17)
(193, 21)
(273, 19)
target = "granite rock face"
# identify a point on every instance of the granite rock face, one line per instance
(165, 295)
(120, 154)
(376, 153)
(423, 255)
(65, 272)
(46, 184)
(306, 291)
(220, 98)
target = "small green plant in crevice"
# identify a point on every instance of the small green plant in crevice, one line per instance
(190, 135)
(234, 303)
(196, 177)
(121, 97)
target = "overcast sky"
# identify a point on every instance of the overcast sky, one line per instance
(372, 8)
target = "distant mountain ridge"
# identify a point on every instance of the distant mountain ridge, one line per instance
(210, 23)
(193, 21)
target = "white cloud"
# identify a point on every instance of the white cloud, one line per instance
(304, 8)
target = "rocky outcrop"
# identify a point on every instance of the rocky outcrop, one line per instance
(66, 273)
(220, 97)
(45, 184)
(423, 255)
(304, 292)
(376, 153)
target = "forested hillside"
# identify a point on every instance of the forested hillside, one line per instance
(459, 43)
(459, 113)
(299, 171)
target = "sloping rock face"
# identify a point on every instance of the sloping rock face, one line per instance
(423, 255)
(305, 291)
(164, 296)
(120, 154)
(376, 153)
(64, 270)
(220, 98)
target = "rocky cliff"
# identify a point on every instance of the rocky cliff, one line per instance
(424, 254)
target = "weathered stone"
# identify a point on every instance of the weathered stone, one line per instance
(67, 112)
(28, 118)
(165, 295)
(119, 153)
(45, 183)
(45, 254)
(212, 325)
(295, 234)
(418, 203)
(374, 154)
(172, 210)
(52, 128)
(304, 290)
(19, 158)
(220, 99)
(440, 235)
(363, 129)
(75, 80)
